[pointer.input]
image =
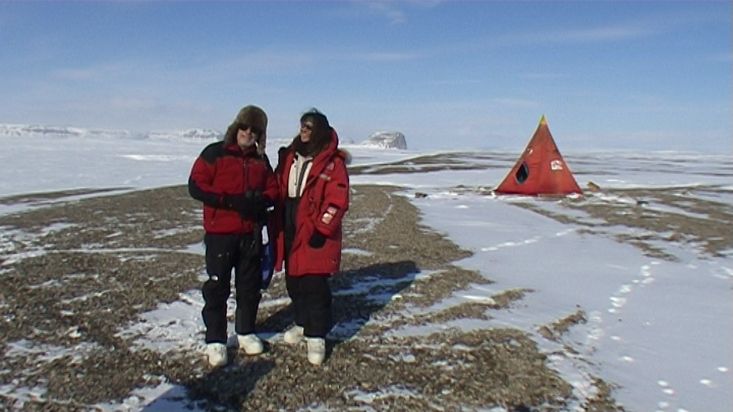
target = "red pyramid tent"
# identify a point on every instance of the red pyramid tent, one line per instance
(540, 170)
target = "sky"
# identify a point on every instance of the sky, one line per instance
(636, 75)
(658, 330)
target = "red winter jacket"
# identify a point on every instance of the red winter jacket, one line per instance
(322, 206)
(225, 169)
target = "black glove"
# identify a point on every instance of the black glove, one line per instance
(234, 202)
(317, 240)
(248, 205)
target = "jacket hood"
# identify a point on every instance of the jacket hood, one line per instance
(326, 147)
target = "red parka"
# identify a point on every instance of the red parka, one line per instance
(225, 169)
(322, 206)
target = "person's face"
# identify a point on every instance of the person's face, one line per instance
(306, 131)
(246, 135)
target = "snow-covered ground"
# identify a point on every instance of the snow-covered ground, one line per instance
(660, 330)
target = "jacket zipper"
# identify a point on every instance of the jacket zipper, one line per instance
(245, 181)
(301, 175)
(245, 176)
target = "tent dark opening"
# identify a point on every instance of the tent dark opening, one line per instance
(522, 173)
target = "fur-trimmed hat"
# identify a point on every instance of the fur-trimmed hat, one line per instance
(253, 116)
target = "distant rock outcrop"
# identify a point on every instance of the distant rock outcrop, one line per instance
(387, 140)
(29, 130)
(19, 130)
(194, 134)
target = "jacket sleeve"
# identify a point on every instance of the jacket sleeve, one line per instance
(335, 200)
(272, 189)
(278, 215)
(200, 181)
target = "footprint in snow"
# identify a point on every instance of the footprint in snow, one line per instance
(666, 389)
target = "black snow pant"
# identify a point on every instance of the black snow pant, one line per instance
(224, 252)
(311, 296)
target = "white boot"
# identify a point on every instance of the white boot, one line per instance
(251, 344)
(316, 350)
(216, 354)
(293, 335)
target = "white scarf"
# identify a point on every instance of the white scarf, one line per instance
(298, 175)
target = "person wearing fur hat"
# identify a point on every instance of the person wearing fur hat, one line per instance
(236, 184)
(314, 196)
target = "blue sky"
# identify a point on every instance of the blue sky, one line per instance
(647, 75)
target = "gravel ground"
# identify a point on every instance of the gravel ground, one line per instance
(72, 273)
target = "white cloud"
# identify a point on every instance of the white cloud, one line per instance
(94, 72)
(457, 81)
(542, 76)
(394, 11)
(608, 33)
(388, 9)
(385, 56)
(579, 35)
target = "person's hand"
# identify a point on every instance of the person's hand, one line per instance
(248, 205)
(256, 209)
(235, 202)
(317, 240)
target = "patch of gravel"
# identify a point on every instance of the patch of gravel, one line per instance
(560, 326)
(74, 273)
(447, 371)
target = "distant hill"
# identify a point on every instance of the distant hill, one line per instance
(18, 130)
(381, 140)
(386, 140)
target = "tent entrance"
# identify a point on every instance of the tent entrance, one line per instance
(522, 173)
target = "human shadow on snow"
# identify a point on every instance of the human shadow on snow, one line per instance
(358, 295)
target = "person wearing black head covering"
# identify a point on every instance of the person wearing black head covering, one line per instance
(314, 196)
(314, 134)
(235, 182)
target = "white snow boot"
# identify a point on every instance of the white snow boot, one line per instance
(251, 344)
(293, 335)
(216, 353)
(316, 350)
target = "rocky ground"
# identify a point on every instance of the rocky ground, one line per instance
(76, 267)
(73, 272)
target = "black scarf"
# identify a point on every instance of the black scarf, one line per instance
(305, 149)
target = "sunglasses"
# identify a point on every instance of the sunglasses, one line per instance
(244, 127)
(306, 126)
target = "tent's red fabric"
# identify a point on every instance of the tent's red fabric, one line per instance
(540, 170)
